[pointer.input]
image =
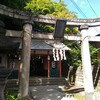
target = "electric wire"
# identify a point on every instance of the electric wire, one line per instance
(92, 8)
(94, 13)
(78, 8)
(82, 13)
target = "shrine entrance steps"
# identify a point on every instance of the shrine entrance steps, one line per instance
(13, 84)
(48, 81)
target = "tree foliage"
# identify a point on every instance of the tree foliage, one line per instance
(74, 55)
(44, 7)
(16, 4)
(11, 95)
(49, 8)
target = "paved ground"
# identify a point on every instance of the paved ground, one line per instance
(51, 92)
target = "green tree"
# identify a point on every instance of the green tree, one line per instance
(44, 7)
(16, 4)
(48, 8)
(74, 55)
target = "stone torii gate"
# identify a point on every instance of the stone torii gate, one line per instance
(27, 28)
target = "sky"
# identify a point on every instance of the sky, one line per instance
(87, 8)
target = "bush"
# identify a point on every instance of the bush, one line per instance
(11, 96)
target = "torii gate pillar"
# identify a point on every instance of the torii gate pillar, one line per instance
(86, 63)
(25, 68)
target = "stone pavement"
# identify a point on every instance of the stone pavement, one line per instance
(47, 92)
(53, 92)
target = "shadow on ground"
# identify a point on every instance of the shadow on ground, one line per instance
(52, 92)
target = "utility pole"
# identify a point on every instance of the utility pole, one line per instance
(86, 63)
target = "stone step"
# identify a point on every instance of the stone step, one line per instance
(48, 81)
(14, 83)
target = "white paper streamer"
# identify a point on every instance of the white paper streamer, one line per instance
(54, 54)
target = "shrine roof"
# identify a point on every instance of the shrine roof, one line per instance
(40, 45)
(43, 44)
(9, 44)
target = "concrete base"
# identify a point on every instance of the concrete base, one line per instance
(90, 96)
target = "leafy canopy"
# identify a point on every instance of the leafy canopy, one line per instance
(74, 55)
(49, 7)
(44, 7)
(16, 4)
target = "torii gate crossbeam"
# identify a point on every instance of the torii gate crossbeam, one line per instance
(4, 10)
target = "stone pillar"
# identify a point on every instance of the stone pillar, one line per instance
(86, 63)
(25, 67)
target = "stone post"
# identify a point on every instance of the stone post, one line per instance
(25, 66)
(86, 63)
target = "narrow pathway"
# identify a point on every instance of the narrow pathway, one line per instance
(47, 92)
